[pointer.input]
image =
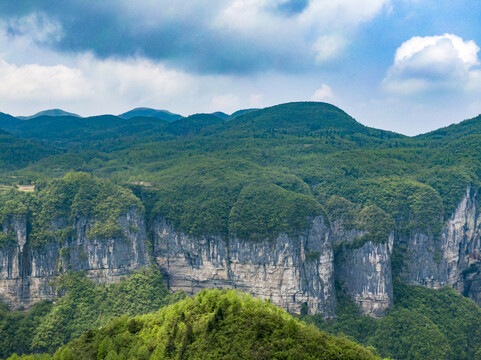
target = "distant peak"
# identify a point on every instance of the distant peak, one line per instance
(221, 115)
(241, 112)
(148, 112)
(51, 112)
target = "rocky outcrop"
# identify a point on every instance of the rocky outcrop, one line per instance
(293, 272)
(365, 274)
(363, 271)
(452, 258)
(26, 272)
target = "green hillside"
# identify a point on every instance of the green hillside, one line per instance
(311, 150)
(51, 112)
(147, 112)
(83, 306)
(73, 196)
(16, 153)
(214, 324)
(423, 324)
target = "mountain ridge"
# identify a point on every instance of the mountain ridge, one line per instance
(7, 120)
(143, 112)
(50, 112)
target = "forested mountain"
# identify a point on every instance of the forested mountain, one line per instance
(51, 112)
(298, 203)
(146, 112)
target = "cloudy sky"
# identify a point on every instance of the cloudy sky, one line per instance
(405, 65)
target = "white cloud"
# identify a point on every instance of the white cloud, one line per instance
(324, 27)
(138, 80)
(227, 103)
(342, 13)
(219, 37)
(33, 82)
(92, 82)
(324, 93)
(329, 47)
(434, 63)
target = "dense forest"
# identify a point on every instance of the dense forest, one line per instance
(253, 176)
(423, 324)
(298, 154)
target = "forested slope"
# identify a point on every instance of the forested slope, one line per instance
(214, 324)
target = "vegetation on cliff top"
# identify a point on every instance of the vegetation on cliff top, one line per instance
(202, 168)
(51, 210)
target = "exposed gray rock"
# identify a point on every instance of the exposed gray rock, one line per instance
(26, 272)
(365, 274)
(451, 259)
(293, 272)
(423, 260)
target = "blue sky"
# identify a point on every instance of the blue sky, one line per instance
(409, 66)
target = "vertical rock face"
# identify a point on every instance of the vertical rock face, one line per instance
(462, 248)
(365, 274)
(451, 259)
(293, 272)
(423, 260)
(26, 272)
(436, 261)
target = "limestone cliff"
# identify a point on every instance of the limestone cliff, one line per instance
(451, 259)
(365, 275)
(293, 272)
(362, 265)
(26, 271)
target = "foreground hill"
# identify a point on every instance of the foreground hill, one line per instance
(81, 306)
(424, 323)
(214, 324)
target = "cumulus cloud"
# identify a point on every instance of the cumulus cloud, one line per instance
(31, 82)
(98, 83)
(138, 80)
(221, 36)
(434, 63)
(324, 93)
(226, 101)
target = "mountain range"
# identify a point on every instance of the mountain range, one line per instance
(297, 203)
